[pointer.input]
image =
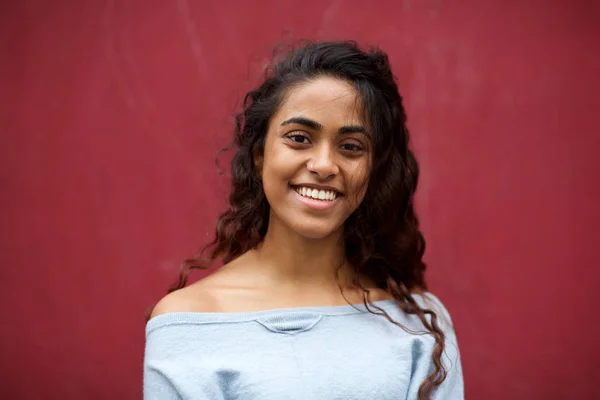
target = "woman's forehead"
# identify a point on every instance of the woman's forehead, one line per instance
(325, 99)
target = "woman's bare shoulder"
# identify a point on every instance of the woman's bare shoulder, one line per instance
(217, 292)
(201, 296)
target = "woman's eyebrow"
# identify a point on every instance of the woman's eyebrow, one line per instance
(314, 125)
(309, 123)
(352, 129)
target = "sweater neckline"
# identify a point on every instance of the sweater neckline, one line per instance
(284, 314)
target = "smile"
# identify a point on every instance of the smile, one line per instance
(323, 195)
(319, 200)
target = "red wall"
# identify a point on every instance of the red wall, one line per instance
(112, 112)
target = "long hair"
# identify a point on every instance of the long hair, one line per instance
(382, 237)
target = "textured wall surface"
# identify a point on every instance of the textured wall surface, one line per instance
(112, 113)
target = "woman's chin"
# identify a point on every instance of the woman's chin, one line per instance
(306, 226)
(315, 232)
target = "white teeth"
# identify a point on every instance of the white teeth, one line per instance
(327, 195)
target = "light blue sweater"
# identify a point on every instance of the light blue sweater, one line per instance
(313, 353)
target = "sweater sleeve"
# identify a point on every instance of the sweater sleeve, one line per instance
(157, 384)
(168, 371)
(453, 387)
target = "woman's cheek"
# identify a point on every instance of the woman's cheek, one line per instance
(359, 181)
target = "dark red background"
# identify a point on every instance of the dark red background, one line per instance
(112, 113)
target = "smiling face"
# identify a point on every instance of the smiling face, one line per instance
(316, 159)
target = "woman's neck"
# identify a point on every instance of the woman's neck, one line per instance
(289, 269)
(289, 258)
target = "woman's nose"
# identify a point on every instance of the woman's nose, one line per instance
(323, 163)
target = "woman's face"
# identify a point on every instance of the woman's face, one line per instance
(317, 156)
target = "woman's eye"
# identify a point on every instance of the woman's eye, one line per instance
(351, 147)
(299, 139)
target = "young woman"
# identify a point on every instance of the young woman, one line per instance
(322, 295)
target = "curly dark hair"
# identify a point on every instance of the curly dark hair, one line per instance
(382, 237)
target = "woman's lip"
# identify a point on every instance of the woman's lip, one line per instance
(318, 205)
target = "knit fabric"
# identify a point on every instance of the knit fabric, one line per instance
(311, 353)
